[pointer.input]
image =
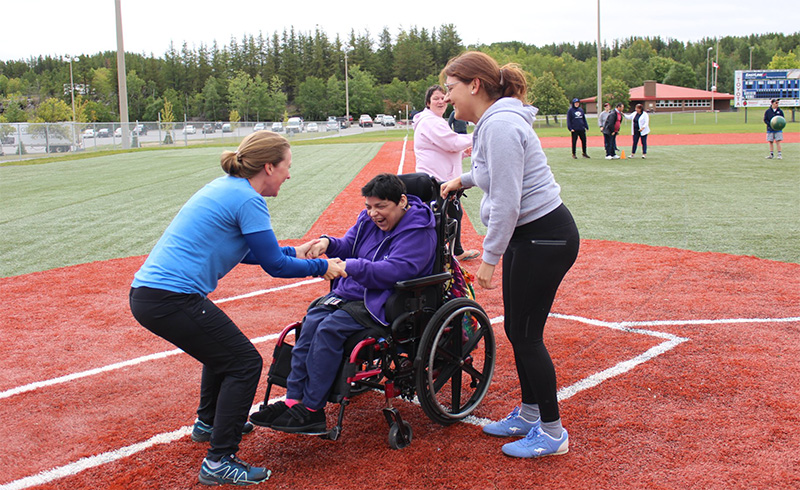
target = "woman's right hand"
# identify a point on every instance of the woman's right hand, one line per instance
(450, 186)
(336, 268)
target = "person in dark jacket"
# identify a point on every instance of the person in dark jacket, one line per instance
(773, 136)
(611, 130)
(394, 239)
(577, 125)
(457, 125)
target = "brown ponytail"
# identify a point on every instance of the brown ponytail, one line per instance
(508, 81)
(254, 152)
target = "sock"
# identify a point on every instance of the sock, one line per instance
(290, 402)
(213, 464)
(529, 411)
(553, 429)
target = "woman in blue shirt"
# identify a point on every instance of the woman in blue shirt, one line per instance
(224, 223)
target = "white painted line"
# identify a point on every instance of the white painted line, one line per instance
(402, 156)
(563, 394)
(150, 357)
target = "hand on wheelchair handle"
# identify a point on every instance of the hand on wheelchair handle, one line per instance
(451, 186)
(336, 268)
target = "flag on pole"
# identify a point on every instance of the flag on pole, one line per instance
(714, 64)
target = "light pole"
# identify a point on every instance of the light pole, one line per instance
(751, 57)
(346, 92)
(72, 95)
(708, 52)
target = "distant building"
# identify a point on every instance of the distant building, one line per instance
(659, 97)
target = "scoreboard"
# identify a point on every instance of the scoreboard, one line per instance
(755, 88)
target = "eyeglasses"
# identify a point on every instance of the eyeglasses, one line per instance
(449, 86)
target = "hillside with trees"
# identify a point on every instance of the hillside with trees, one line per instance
(267, 78)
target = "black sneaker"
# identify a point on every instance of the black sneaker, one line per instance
(300, 420)
(232, 471)
(268, 413)
(201, 431)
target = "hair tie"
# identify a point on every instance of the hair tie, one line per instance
(501, 77)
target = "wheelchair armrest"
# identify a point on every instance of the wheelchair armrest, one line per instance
(422, 282)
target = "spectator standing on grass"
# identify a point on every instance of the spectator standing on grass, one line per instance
(611, 130)
(773, 136)
(601, 118)
(640, 128)
(577, 125)
(439, 151)
(224, 223)
(527, 225)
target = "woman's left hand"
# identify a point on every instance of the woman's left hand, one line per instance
(484, 275)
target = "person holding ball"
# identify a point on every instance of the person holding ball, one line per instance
(774, 135)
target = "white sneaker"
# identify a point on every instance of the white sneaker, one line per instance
(615, 157)
(609, 157)
(779, 157)
(770, 157)
(644, 156)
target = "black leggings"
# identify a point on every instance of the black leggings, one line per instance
(231, 364)
(537, 259)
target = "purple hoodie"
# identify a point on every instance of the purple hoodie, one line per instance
(377, 259)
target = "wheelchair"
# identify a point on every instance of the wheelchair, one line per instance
(438, 350)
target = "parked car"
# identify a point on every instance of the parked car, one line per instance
(189, 129)
(332, 125)
(259, 127)
(365, 121)
(103, 133)
(379, 119)
(277, 127)
(312, 127)
(118, 132)
(226, 128)
(88, 133)
(208, 128)
(294, 125)
(343, 122)
(139, 129)
(388, 121)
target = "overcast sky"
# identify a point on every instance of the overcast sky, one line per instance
(49, 27)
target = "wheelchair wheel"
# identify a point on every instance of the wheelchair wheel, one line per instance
(455, 361)
(396, 439)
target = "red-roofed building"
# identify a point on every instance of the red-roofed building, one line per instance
(659, 97)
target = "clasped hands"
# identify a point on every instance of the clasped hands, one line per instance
(313, 249)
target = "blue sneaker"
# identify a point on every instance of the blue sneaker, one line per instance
(232, 471)
(201, 431)
(537, 443)
(512, 425)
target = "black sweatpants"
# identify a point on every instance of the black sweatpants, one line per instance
(231, 364)
(537, 258)
(579, 134)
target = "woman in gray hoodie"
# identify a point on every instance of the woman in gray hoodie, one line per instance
(527, 225)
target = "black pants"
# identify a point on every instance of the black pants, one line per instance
(537, 259)
(231, 364)
(579, 134)
(610, 141)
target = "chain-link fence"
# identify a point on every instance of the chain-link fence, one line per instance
(19, 141)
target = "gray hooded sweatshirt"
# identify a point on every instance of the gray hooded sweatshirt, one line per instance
(510, 167)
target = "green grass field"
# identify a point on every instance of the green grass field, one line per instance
(705, 198)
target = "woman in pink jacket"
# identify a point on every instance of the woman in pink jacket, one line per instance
(439, 151)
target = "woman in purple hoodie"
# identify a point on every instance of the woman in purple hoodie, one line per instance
(394, 239)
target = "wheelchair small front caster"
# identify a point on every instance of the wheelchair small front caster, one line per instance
(333, 434)
(398, 439)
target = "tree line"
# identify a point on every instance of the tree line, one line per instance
(270, 78)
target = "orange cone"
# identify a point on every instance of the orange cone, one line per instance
(623, 155)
